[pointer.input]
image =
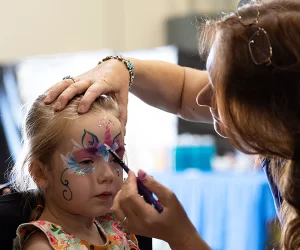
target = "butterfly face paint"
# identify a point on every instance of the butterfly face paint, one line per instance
(90, 147)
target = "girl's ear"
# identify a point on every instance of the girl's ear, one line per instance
(39, 174)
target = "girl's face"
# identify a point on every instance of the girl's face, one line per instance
(84, 178)
(206, 95)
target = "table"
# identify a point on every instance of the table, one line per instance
(229, 210)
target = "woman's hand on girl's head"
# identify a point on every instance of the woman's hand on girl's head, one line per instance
(110, 77)
(172, 225)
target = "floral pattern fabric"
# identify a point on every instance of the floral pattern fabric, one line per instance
(116, 237)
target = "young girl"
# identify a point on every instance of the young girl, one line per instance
(65, 158)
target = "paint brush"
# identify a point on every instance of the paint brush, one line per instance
(147, 195)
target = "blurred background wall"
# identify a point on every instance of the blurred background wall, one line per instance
(34, 27)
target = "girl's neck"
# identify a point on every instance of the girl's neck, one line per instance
(80, 226)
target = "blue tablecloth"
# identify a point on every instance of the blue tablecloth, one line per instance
(230, 210)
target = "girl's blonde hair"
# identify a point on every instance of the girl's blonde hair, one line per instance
(42, 131)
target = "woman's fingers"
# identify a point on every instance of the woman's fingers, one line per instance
(132, 203)
(116, 208)
(71, 91)
(128, 200)
(56, 90)
(128, 203)
(130, 184)
(132, 218)
(163, 193)
(92, 93)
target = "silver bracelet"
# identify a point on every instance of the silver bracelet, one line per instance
(126, 62)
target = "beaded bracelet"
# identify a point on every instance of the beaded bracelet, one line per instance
(126, 62)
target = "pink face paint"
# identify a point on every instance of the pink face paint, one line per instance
(120, 151)
(75, 167)
(107, 135)
(83, 153)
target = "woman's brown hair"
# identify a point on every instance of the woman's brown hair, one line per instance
(259, 105)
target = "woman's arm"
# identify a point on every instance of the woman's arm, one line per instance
(171, 88)
(163, 85)
(194, 242)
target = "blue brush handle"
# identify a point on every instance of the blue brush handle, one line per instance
(148, 196)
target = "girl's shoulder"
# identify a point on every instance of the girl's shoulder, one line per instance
(37, 241)
(55, 235)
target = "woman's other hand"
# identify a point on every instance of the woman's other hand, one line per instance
(110, 77)
(172, 225)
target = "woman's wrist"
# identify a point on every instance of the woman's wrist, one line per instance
(126, 62)
(137, 70)
(194, 241)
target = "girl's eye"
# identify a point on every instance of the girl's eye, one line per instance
(86, 162)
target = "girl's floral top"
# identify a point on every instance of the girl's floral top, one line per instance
(116, 237)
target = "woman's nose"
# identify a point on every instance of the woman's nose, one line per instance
(204, 97)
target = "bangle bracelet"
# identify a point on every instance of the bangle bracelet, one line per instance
(126, 62)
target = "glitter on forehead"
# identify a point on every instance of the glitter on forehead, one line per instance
(101, 122)
(105, 121)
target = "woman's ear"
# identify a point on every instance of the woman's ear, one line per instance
(39, 174)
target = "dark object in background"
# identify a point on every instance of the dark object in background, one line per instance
(15, 209)
(182, 32)
(223, 146)
(12, 214)
(145, 243)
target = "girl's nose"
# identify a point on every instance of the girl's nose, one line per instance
(105, 173)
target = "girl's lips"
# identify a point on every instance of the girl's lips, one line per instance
(105, 195)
